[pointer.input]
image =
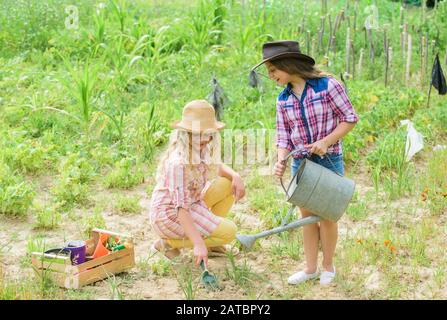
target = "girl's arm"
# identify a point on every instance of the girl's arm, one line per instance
(200, 250)
(237, 183)
(320, 147)
(339, 132)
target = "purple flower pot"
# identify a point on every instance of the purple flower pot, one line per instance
(78, 250)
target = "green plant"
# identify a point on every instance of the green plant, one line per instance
(270, 205)
(188, 284)
(129, 205)
(92, 220)
(389, 165)
(72, 188)
(242, 274)
(357, 209)
(47, 217)
(115, 291)
(161, 267)
(289, 245)
(124, 175)
(16, 194)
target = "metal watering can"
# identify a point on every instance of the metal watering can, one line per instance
(315, 188)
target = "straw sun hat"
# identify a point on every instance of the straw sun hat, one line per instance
(198, 116)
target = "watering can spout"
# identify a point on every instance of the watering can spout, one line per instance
(247, 241)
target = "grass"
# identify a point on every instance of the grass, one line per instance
(89, 109)
(187, 282)
(128, 205)
(47, 217)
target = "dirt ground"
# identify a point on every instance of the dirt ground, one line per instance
(142, 283)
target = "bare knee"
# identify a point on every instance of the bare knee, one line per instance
(224, 184)
(305, 213)
(328, 224)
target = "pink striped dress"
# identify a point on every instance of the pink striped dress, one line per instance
(182, 187)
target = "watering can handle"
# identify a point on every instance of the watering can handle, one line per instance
(285, 161)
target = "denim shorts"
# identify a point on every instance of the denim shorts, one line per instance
(336, 165)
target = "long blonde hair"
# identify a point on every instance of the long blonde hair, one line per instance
(180, 151)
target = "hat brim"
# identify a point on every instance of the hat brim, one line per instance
(181, 125)
(287, 55)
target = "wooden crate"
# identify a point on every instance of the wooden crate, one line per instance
(75, 276)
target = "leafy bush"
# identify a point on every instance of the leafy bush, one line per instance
(124, 175)
(75, 173)
(16, 194)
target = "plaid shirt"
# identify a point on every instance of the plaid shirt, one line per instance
(181, 188)
(305, 120)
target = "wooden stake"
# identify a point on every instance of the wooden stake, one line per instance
(321, 34)
(423, 5)
(407, 71)
(304, 14)
(387, 65)
(324, 6)
(336, 22)
(423, 54)
(426, 52)
(347, 50)
(356, 7)
(360, 61)
(319, 45)
(390, 63)
(351, 45)
(401, 17)
(308, 42)
(405, 40)
(330, 35)
(371, 45)
(334, 47)
(385, 48)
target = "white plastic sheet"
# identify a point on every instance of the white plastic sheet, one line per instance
(415, 140)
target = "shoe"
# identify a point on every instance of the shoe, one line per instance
(163, 247)
(326, 277)
(222, 251)
(301, 277)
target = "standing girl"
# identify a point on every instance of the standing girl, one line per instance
(186, 209)
(313, 113)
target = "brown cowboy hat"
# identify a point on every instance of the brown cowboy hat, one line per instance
(282, 49)
(198, 116)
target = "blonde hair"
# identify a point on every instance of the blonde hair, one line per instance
(180, 151)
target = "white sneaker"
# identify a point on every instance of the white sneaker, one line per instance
(301, 277)
(326, 277)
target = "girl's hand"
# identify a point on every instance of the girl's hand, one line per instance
(319, 147)
(238, 187)
(201, 253)
(280, 168)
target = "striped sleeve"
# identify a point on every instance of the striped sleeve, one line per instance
(177, 186)
(283, 132)
(340, 103)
